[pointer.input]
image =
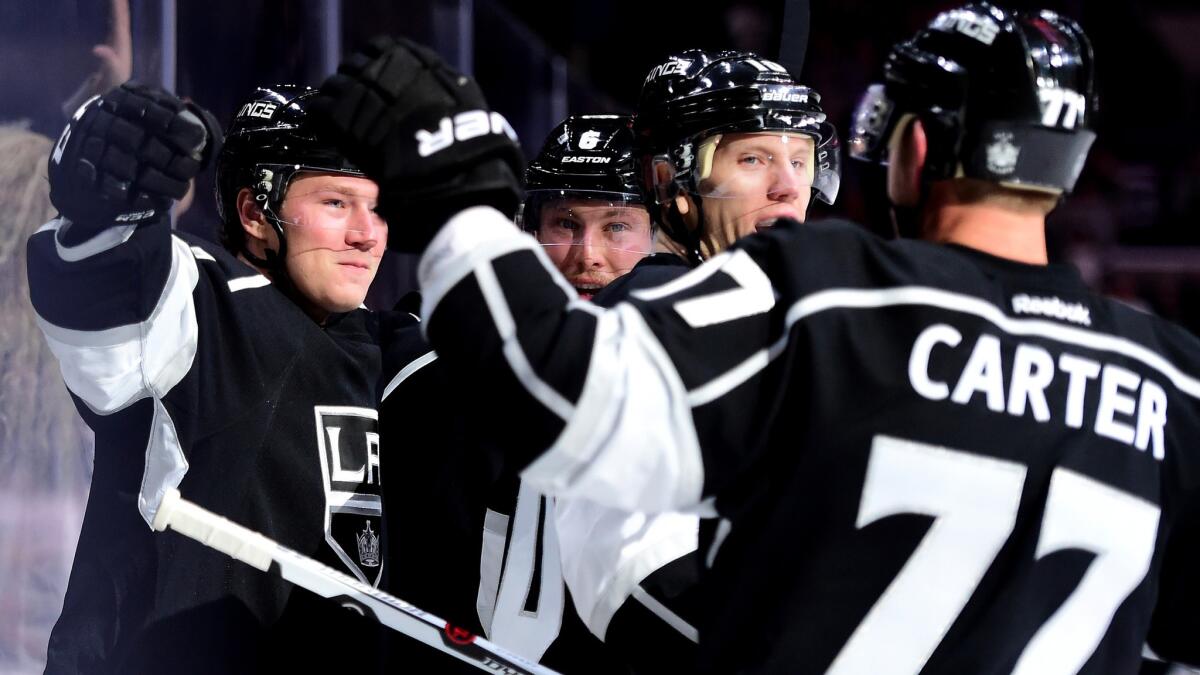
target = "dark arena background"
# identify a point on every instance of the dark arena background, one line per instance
(1131, 226)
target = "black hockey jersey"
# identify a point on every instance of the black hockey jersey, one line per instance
(467, 541)
(635, 577)
(931, 460)
(195, 372)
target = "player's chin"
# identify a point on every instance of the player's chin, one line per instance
(346, 298)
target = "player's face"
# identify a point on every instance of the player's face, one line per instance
(756, 178)
(592, 242)
(334, 239)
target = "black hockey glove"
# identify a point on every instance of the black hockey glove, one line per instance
(423, 132)
(126, 155)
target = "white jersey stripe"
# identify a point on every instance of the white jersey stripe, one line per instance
(109, 369)
(201, 254)
(493, 294)
(407, 371)
(165, 463)
(967, 304)
(246, 283)
(472, 238)
(844, 298)
(663, 612)
(633, 407)
(693, 277)
(108, 238)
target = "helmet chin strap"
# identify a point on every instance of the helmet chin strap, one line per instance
(678, 231)
(274, 261)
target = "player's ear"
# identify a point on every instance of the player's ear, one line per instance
(254, 221)
(907, 151)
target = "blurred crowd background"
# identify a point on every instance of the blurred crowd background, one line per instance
(1130, 227)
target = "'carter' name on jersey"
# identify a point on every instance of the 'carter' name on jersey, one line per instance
(1131, 410)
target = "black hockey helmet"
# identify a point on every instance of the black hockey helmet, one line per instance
(697, 94)
(586, 152)
(271, 139)
(588, 156)
(1004, 97)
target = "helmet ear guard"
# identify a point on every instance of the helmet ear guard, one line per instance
(660, 175)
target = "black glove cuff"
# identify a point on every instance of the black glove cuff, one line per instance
(76, 233)
(414, 220)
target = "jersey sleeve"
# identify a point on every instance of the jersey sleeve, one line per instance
(608, 555)
(116, 309)
(643, 407)
(118, 312)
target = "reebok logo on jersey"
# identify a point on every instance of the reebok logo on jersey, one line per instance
(1053, 307)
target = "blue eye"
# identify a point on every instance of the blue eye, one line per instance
(618, 227)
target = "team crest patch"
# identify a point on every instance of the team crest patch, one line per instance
(368, 547)
(348, 444)
(1002, 154)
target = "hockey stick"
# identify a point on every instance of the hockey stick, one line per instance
(793, 38)
(258, 551)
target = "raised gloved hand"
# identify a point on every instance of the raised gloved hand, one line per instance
(424, 133)
(126, 155)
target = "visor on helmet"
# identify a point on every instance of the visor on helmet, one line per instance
(611, 220)
(750, 165)
(331, 207)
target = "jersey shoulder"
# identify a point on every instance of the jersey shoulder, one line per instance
(220, 261)
(651, 271)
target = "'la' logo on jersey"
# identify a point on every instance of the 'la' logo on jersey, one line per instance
(348, 443)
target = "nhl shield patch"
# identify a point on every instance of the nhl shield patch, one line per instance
(348, 443)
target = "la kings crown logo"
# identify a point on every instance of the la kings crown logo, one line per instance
(348, 444)
(368, 547)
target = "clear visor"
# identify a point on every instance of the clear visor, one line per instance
(319, 198)
(612, 221)
(767, 167)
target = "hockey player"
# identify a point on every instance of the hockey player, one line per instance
(498, 569)
(937, 456)
(244, 377)
(729, 143)
(582, 202)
